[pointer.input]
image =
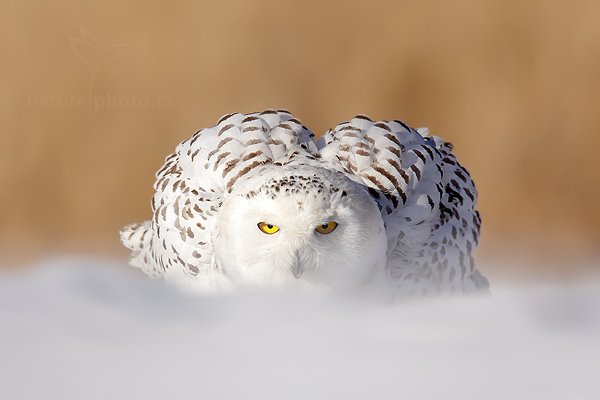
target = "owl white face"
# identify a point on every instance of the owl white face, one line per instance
(301, 226)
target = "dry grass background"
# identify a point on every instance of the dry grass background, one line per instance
(95, 95)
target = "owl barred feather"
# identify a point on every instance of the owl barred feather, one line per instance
(423, 203)
(427, 200)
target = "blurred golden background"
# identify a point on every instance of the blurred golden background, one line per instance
(95, 95)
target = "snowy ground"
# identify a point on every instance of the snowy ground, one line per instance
(100, 332)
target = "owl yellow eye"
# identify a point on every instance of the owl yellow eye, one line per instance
(327, 227)
(269, 229)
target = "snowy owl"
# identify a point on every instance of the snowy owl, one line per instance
(254, 201)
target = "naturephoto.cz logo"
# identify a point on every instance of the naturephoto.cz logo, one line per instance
(102, 60)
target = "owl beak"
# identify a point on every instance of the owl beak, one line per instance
(296, 267)
(297, 270)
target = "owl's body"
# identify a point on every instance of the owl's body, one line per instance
(254, 201)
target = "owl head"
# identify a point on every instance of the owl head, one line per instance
(302, 226)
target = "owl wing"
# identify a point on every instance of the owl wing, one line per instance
(426, 198)
(190, 187)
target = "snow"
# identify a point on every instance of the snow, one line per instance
(92, 329)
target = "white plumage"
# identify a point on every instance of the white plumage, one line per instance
(254, 201)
